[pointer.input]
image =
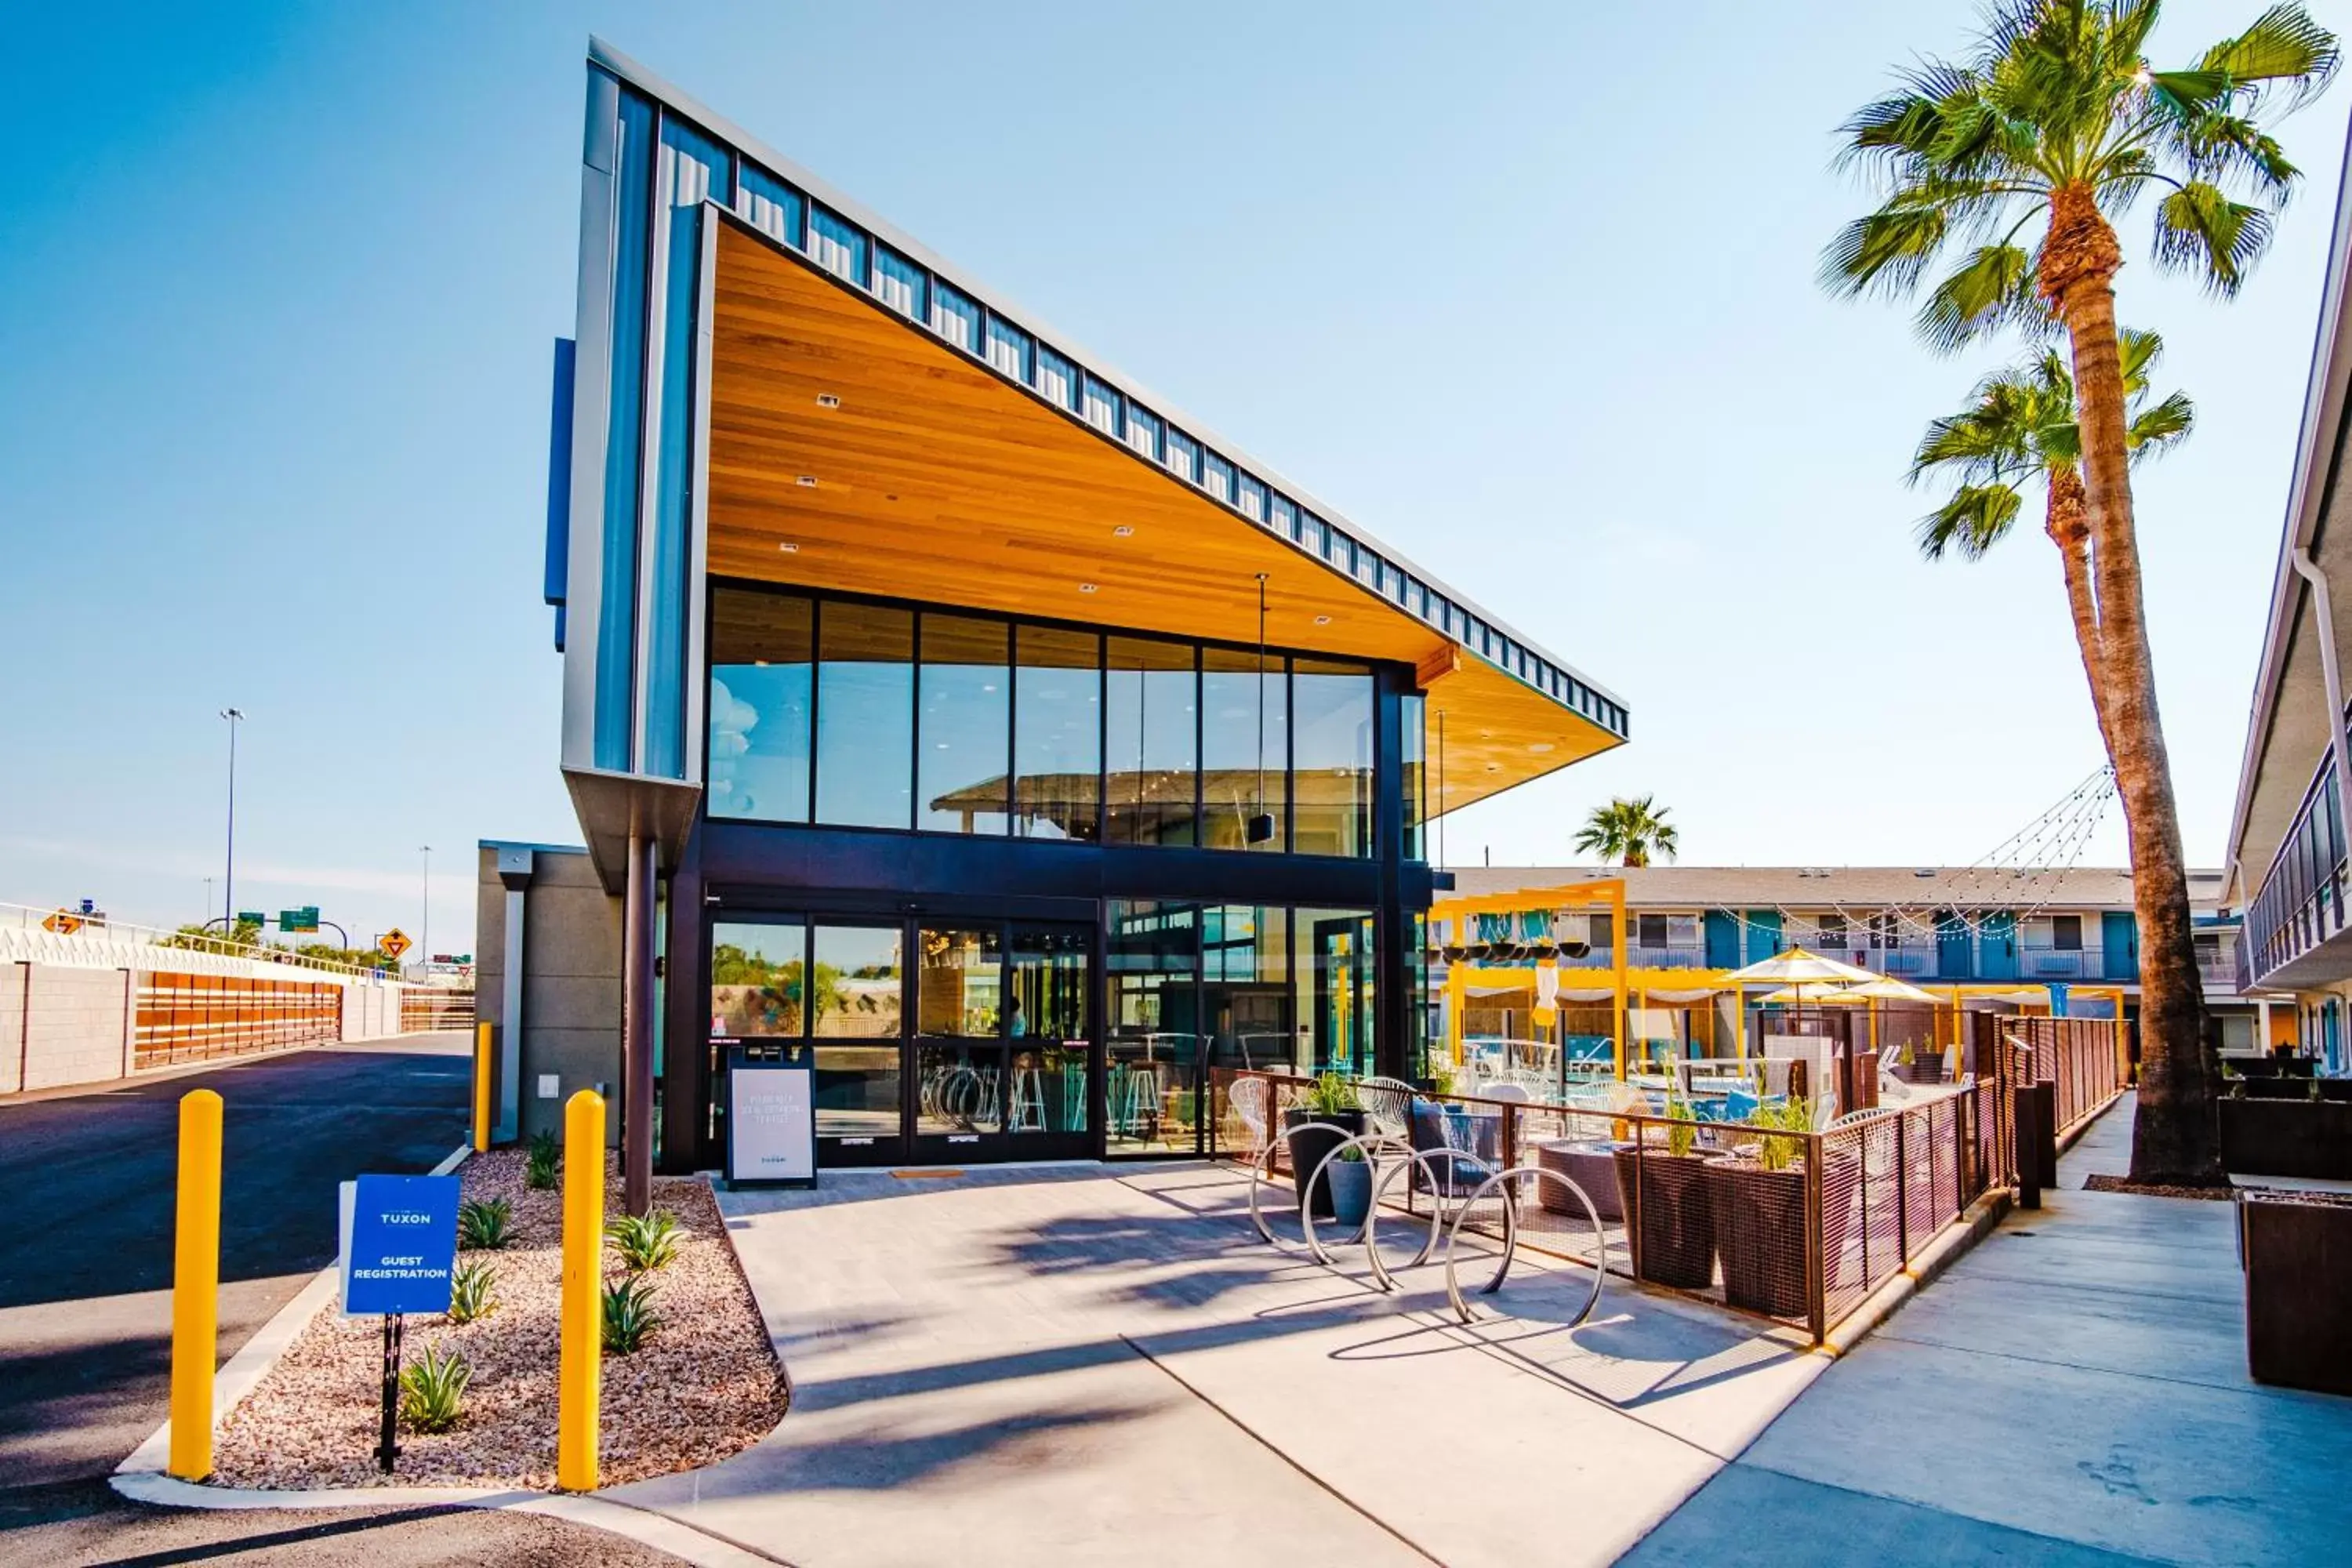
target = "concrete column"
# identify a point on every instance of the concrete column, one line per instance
(638, 916)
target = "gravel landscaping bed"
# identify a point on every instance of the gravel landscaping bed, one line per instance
(2101, 1184)
(703, 1385)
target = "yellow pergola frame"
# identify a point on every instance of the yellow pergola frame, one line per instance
(1602, 890)
(2114, 994)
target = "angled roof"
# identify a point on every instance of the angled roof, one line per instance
(928, 358)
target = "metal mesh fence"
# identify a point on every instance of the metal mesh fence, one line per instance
(195, 1017)
(1795, 1225)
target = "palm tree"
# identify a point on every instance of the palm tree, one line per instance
(2020, 427)
(1629, 831)
(2049, 130)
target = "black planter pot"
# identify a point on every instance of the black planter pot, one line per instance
(1760, 1234)
(2297, 1252)
(1669, 1192)
(1310, 1144)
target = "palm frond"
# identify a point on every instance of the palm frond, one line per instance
(2155, 431)
(1887, 250)
(2283, 46)
(1992, 290)
(2199, 229)
(1972, 522)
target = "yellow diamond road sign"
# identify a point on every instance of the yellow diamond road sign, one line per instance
(393, 942)
(63, 922)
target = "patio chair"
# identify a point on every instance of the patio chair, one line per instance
(1517, 1093)
(1251, 1101)
(1388, 1107)
(1455, 1171)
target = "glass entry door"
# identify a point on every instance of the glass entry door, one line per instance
(998, 1062)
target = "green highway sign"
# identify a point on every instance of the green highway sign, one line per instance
(304, 919)
(251, 917)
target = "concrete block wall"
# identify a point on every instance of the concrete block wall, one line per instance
(73, 1025)
(571, 982)
(12, 1026)
(371, 1010)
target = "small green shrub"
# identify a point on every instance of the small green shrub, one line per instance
(485, 1225)
(546, 1156)
(1682, 1132)
(1441, 1078)
(432, 1391)
(1332, 1095)
(473, 1292)
(629, 1314)
(1792, 1115)
(1351, 1153)
(646, 1242)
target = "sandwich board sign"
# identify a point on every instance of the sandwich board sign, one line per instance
(771, 1120)
(400, 1248)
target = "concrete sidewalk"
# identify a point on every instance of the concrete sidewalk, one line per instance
(1106, 1365)
(2072, 1390)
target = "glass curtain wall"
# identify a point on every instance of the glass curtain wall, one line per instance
(1152, 733)
(762, 676)
(1047, 1022)
(1332, 758)
(1244, 749)
(865, 715)
(1152, 1047)
(960, 1077)
(1057, 734)
(855, 1001)
(820, 711)
(1248, 1010)
(964, 756)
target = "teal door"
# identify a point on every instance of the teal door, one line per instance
(1997, 948)
(2119, 938)
(1951, 948)
(1722, 940)
(1763, 934)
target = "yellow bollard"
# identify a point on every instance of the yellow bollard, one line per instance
(195, 1285)
(580, 1369)
(481, 1086)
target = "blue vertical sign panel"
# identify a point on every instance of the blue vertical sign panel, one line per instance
(403, 1246)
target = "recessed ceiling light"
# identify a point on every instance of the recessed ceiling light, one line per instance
(808, 482)
(1541, 748)
(789, 547)
(1494, 767)
(828, 400)
(1122, 532)
(1322, 620)
(1085, 587)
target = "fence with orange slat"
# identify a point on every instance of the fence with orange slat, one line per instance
(196, 1017)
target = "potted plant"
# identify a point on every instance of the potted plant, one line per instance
(1349, 1178)
(1756, 1197)
(2296, 1248)
(1664, 1183)
(1330, 1100)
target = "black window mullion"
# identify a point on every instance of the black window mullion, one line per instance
(816, 696)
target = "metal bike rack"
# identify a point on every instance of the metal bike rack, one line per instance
(1373, 1146)
(1511, 1240)
(1427, 1159)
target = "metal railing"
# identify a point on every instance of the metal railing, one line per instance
(97, 929)
(1799, 1226)
(199, 1017)
(2085, 1062)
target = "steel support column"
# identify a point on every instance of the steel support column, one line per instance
(638, 910)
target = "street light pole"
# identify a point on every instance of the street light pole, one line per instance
(425, 923)
(235, 716)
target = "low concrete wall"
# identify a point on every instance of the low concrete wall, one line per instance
(67, 1024)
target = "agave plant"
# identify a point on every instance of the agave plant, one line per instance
(629, 1314)
(485, 1225)
(646, 1242)
(432, 1391)
(473, 1292)
(540, 1167)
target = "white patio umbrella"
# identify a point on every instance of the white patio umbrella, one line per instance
(1798, 969)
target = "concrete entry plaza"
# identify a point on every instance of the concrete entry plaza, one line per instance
(1104, 1364)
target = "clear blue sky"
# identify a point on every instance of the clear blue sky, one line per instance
(1528, 291)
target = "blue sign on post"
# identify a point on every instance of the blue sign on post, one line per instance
(401, 1246)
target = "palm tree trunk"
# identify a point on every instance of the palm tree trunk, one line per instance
(2175, 1138)
(2067, 522)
